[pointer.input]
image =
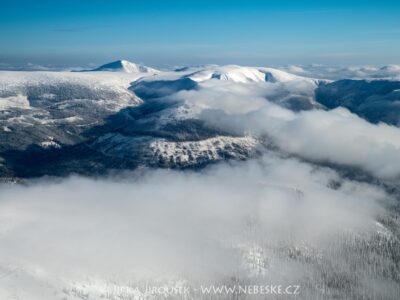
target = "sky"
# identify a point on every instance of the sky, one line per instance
(165, 33)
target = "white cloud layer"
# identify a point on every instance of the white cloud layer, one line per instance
(166, 225)
(391, 72)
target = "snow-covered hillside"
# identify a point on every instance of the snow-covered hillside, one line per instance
(243, 74)
(78, 111)
(123, 115)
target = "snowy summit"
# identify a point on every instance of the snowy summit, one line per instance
(126, 67)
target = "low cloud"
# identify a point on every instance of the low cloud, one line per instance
(201, 227)
(345, 72)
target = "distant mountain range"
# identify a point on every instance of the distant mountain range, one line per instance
(123, 115)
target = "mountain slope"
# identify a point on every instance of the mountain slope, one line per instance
(375, 100)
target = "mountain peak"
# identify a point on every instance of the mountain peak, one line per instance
(126, 67)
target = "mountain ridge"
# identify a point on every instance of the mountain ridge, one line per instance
(126, 67)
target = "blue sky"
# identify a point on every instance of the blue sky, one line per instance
(165, 33)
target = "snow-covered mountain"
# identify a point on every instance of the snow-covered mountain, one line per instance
(126, 67)
(243, 74)
(123, 115)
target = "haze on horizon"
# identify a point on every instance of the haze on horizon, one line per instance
(167, 33)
